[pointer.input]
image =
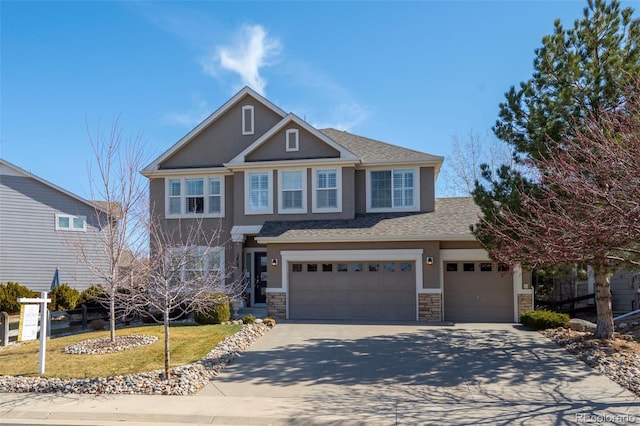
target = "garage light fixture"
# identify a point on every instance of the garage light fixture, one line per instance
(429, 260)
(274, 262)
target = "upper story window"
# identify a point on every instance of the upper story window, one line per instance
(292, 140)
(396, 189)
(327, 190)
(67, 222)
(258, 192)
(187, 197)
(248, 120)
(293, 189)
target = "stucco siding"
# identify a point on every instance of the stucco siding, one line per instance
(309, 147)
(427, 189)
(31, 247)
(219, 143)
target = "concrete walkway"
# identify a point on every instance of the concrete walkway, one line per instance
(311, 373)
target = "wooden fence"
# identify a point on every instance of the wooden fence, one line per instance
(61, 322)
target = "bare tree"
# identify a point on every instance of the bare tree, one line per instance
(120, 190)
(586, 208)
(462, 168)
(185, 272)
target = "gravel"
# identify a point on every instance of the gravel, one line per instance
(185, 380)
(618, 359)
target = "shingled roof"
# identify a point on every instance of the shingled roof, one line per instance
(449, 221)
(372, 151)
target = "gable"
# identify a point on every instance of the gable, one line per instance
(223, 138)
(309, 146)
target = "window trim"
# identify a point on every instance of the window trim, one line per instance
(314, 204)
(251, 130)
(71, 217)
(202, 251)
(247, 189)
(281, 209)
(289, 135)
(416, 191)
(183, 197)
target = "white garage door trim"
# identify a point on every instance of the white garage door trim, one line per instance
(289, 256)
(480, 255)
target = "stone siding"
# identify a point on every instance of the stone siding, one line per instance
(429, 307)
(525, 304)
(277, 305)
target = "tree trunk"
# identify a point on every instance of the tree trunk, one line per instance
(604, 328)
(112, 319)
(167, 352)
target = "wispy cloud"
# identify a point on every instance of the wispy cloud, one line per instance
(199, 110)
(252, 50)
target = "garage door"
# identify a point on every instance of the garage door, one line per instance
(478, 291)
(353, 291)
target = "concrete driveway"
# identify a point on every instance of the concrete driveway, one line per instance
(311, 373)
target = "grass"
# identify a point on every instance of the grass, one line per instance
(187, 343)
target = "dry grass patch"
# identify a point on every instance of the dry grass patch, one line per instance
(188, 344)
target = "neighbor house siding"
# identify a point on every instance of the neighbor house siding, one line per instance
(30, 246)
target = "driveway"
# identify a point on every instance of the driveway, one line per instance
(311, 373)
(480, 373)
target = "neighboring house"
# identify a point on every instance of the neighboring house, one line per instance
(625, 290)
(330, 225)
(41, 226)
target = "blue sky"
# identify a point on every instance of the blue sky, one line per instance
(409, 73)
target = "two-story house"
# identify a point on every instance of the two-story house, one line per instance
(44, 227)
(330, 225)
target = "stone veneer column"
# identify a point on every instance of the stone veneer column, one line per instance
(429, 307)
(525, 303)
(277, 305)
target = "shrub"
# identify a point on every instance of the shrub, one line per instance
(541, 320)
(9, 293)
(63, 298)
(270, 322)
(249, 319)
(217, 312)
(91, 297)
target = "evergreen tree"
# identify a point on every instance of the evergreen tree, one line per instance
(576, 72)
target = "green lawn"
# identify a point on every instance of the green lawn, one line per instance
(188, 344)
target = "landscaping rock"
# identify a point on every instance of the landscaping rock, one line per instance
(185, 380)
(582, 325)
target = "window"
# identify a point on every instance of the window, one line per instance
(452, 267)
(468, 267)
(343, 267)
(503, 267)
(195, 195)
(357, 267)
(405, 267)
(296, 267)
(247, 120)
(327, 267)
(292, 140)
(293, 185)
(66, 222)
(327, 190)
(215, 196)
(374, 267)
(485, 267)
(312, 267)
(389, 267)
(258, 193)
(187, 197)
(191, 264)
(392, 190)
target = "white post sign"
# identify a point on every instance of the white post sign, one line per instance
(28, 328)
(42, 304)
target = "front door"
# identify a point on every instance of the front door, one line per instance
(260, 277)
